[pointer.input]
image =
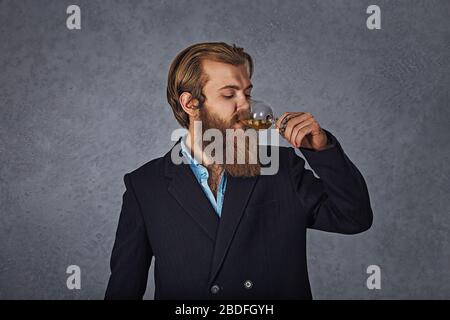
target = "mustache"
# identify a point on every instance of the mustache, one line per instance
(240, 115)
(210, 121)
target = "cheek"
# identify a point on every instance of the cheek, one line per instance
(224, 109)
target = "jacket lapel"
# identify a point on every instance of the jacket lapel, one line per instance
(237, 194)
(189, 194)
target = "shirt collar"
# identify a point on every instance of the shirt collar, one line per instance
(185, 150)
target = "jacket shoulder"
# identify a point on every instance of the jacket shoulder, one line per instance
(152, 168)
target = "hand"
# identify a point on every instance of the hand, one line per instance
(302, 130)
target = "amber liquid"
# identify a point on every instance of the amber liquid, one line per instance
(258, 124)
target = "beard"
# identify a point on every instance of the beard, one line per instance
(239, 148)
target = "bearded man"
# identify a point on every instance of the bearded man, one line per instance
(221, 229)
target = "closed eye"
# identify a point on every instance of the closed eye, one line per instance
(229, 97)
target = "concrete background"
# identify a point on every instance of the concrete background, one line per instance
(81, 108)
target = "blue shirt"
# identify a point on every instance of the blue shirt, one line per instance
(201, 173)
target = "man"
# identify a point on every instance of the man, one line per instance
(225, 231)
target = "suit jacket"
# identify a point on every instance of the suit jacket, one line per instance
(256, 250)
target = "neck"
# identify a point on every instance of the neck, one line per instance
(195, 146)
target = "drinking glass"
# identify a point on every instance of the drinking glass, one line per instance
(261, 115)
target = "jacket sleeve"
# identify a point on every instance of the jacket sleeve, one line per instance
(337, 202)
(132, 253)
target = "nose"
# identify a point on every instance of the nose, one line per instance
(243, 112)
(244, 105)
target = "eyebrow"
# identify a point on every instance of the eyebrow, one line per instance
(230, 86)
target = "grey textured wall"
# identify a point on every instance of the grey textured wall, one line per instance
(80, 108)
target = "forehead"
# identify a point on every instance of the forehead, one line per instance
(220, 74)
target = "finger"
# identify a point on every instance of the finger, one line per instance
(299, 126)
(284, 116)
(280, 119)
(305, 115)
(293, 122)
(302, 133)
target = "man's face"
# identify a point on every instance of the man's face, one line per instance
(227, 103)
(227, 92)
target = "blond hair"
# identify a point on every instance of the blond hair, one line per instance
(186, 74)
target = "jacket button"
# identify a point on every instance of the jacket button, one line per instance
(215, 289)
(248, 284)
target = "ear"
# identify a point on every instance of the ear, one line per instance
(189, 105)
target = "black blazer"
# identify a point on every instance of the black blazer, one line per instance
(256, 250)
